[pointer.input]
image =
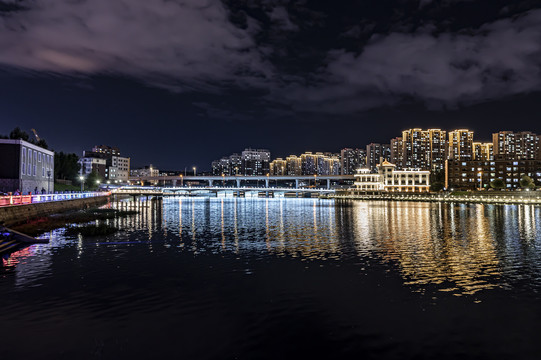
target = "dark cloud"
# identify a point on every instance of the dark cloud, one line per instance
(178, 44)
(208, 46)
(499, 59)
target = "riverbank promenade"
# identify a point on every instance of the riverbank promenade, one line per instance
(12, 200)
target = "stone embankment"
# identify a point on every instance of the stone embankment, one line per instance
(17, 214)
(525, 197)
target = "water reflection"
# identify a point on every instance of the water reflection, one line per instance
(457, 248)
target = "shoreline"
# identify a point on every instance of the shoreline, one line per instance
(528, 198)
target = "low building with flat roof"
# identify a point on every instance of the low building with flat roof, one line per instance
(25, 167)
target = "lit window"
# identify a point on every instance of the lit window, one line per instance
(23, 162)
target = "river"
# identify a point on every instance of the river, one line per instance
(282, 278)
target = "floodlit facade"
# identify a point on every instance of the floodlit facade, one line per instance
(367, 181)
(25, 167)
(293, 165)
(319, 164)
(420, 149)
(483, 151)
(278, 167)
(460, 145)
(389, 179)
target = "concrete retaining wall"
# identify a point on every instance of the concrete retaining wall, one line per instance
(11, 215)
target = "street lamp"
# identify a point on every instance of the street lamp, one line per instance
(481, 180)
(82, 178)
(194, 168)
(48, 180)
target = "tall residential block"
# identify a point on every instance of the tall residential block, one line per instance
(460, 145)
(376, 152)
(397, 154)
(293, 165)
(278, 167)
(351, 160)
(483, 151)
(255, 161)
(510, 145)
(421, 149)
(437, 147)
(415, 150)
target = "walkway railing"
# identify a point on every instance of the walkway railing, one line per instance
(31, 199)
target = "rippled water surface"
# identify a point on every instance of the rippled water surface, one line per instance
(228, 278)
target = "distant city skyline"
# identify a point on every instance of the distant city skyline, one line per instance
(178, 84)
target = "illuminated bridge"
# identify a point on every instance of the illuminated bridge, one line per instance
(245, 191)
(240, 180)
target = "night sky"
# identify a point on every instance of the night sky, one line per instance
(183, 82)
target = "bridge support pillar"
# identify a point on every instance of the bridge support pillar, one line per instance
(328, 184)
(296, 183)
(238, 183)
(210, 182)
(267, 183)
(174, 183)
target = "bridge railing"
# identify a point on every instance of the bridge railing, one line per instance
(32, 199)
(161, 190)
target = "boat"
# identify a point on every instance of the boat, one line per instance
(11, 240)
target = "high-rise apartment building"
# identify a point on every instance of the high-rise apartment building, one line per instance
(415, 154)
(510, 145)
(351, 160)
(221, 167)
(437, 149)
(483, 151)
(375, 152)
(293, 165)
(421, 149)
(397, 157)
(255, 162)
(278, 167)
(309, 162)
(460, 145)
(251, 162)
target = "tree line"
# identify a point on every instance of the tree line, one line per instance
(66, 165)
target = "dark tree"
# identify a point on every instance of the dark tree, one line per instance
(526, 182)
(437, 180)
(436, 186)
(66, 166)
(93, 181)
(17, 134)
(42, 143)
(497, 184)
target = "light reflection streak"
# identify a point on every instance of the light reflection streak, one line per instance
(460, 248)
